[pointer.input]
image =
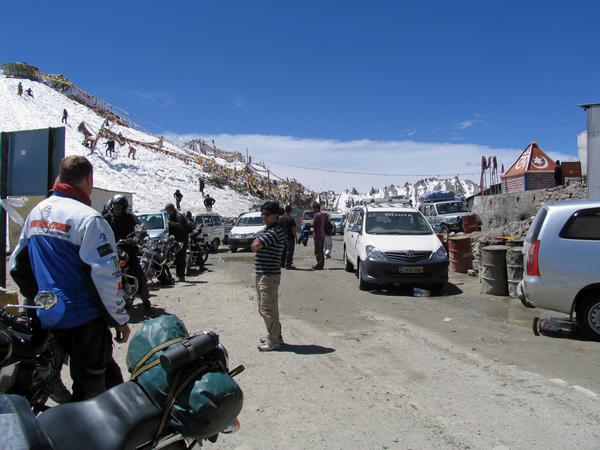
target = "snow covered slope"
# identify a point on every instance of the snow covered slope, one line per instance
(152, 177)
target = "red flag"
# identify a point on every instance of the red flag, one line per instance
(502, 168)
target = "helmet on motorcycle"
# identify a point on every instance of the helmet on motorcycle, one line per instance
(119, 204)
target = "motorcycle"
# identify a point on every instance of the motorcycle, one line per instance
(125, 416)
(157, 256)
(197, 251)
(126, 247)
(33, 367)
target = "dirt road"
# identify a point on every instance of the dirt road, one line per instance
(379, 370)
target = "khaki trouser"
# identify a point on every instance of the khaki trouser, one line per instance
(267, 287)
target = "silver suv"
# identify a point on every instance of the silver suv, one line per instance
(447, 215)
(562, 263)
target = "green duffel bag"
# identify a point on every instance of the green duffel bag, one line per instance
(200, 399)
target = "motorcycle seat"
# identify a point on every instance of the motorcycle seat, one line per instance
(121, 418)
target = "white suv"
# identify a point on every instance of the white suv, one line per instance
(389, 242)
(562, 264)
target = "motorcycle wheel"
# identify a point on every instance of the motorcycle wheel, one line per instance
(203, 256)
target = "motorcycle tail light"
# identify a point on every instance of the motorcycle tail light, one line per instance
(122, 263)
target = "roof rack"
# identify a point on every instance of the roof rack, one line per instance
(393, 201)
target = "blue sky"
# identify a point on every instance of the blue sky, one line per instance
(403, 89)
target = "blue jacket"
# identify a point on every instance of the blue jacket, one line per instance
(67, 248)
(304, 234)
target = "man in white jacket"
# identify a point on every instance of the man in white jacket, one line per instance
(66, 247)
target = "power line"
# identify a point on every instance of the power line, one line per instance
(373, 174)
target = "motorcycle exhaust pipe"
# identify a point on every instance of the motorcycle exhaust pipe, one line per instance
(188, 350)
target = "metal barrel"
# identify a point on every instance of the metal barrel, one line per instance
(493, 277)
(469, 222)
(461, 256)
(514, 269)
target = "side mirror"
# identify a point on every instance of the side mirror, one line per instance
(138, 228)
(43, 300)
(353, 227)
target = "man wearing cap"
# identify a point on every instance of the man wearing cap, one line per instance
(268, 247)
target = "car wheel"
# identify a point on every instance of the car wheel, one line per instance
(347, 264)
(362, 284)
(444, 229)
(215, 245)
(588, 315)
(233, 249)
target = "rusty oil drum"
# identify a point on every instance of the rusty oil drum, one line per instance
(461, 256)
(493, 277)
(469, 222)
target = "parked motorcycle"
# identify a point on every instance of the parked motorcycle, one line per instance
(202, 399)
(157, 256)
(197, 251)
(126, 247)
(35, 359)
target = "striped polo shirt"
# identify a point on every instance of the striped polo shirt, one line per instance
(267, 260)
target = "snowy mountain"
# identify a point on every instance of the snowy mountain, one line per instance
(160, 167)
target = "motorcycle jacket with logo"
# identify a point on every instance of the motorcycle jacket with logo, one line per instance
(67, 248)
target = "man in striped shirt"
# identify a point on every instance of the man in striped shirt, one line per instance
(268, 247)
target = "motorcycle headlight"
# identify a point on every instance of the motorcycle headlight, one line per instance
(375, 254)
(151, 245)
(439, 255)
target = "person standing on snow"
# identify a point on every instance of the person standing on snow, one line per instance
(209, 202)
(64, 117)
(20, 89)
(178, 196)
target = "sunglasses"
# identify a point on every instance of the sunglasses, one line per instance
(267, 214)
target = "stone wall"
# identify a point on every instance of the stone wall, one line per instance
(497, 211)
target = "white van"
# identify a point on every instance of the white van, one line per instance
(211, 224)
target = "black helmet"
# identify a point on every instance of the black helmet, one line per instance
(118, 204)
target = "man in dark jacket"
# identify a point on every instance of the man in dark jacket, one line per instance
(178, 227)
(123, 224)
(209, 202)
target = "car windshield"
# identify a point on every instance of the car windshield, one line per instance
(337, 219)
(397, 222)
(152, 221)
(454, 207)
(249, 221)
(308, 216)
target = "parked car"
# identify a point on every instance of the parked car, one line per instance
(155, 223)
(307, 217)
(212, 225)
(444, 211)
(391, 243)
(228, 227)
(244, 231)
(339, 220)
(562, 269)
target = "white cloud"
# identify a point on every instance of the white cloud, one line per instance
(339, 165)
(237, 101)
(466, 124)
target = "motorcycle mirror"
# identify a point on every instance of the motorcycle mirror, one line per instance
(45, 299)
(138, 228)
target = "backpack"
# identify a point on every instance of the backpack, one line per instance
(329, 228)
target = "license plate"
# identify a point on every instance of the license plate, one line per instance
(243, 241)
(410, 270)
